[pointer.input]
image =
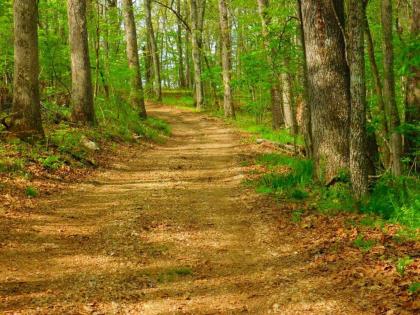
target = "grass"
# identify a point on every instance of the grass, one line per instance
(174, 273)
(391, 200)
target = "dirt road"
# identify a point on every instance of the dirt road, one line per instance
(171, 230)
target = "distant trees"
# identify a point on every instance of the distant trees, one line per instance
(153, 50)
(26, 113)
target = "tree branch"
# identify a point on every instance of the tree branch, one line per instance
(179, 16)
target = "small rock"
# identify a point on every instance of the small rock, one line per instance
(259, 141)
(88, 144)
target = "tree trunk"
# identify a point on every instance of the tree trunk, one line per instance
(153, 50)
(136, 94)
(288, 106)
(306, 111)
(82, 94)
(382, 133)
(389, 87)
(196, 35)
(181, 73)
(328, 82)
(226, 59)
(277, 117)
(412, 102)
(26, 119)
(356, 58)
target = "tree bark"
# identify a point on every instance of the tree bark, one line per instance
(153, 50)
(26, 119)
(389, 87)
(137, 93)
(412, 101)
(328, 82)
(82, 93)
(277, 116)
(196, 38)
(288, 102)
(306, 110)
(356, 58)
(226, 59)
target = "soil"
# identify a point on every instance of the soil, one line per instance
(173, 229)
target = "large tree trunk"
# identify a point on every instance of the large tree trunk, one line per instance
(382, 133)
(82, 94)
(226, 59)
(356, 58)
(389, 87)
(306, 110)
(153, 50)
(196, 38)
(328, 81)
(277, 116)
(181, 74)
(26, 119)
(412, 102)
(136, 94)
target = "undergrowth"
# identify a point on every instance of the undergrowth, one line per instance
(392, 200)
(117, 122)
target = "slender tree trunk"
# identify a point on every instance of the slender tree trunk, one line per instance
(380, 112)
(226, 58)
(137, 94)
(153, 50)
(288, 100)
(188, 77)
(26, 119)
(412, 101)
(82, 93)
(277, 117)
(181, 72)
(328, 81)
(306, 110)
(356, 58)
(196, 34)
(389, 87)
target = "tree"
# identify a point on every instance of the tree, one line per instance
(277, 115)
(197, 14)
(153, 50)
(26, 113)
(389, 87)
(226, 58)
(328, 86)
(82, 93)
(356, 60)
(136, 94)
(412, 101)
(181, 73)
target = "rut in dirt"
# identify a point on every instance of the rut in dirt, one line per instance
(169, 230)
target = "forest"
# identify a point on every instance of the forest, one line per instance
(209, 156)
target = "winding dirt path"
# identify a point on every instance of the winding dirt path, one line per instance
(171, 230)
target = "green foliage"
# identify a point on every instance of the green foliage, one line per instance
(414, 287)
(402, 264)
(52, 162)
(293, 182)
(396, 199)
(363, 244)
(297, 216)
(31, 192)
(336, 198)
